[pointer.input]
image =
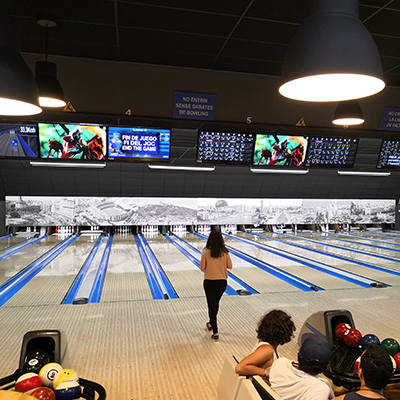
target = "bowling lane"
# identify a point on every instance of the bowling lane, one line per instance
(184, 276)
(258, 279)
(373, 247)
(11, 241)
(125, 278)
(52, 283)
(13, 264)
(347, 266)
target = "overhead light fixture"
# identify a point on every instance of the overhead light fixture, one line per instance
(181, 168)
(363, 173)
(51, 164)
(51, 93)
(279, 171)
(19, 94)
(348, 113)
(332, 57)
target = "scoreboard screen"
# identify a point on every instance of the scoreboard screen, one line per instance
(224, 147)
(389, 155)
(19, 141)
(331, 152)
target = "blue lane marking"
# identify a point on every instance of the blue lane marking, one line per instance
(285, 276)
(155, 288)
(5, 237)
(230, 291)
(170, 291)
(329, 236)
(388, 270)
(28, 267)
(20, 246)
(10, 290)
(334, 271)
(244, 285)
(77, 283)
(358, 237)
(98, 283)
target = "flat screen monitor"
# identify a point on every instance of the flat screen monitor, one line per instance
(280, 150)
(20, 141)
(331, 152)
(224, 147)
(389, 155)
(134, 143)
(72, 142)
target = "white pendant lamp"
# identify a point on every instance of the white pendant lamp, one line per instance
(348, 113)
(19, 93)
(332, 57)
(51, 92)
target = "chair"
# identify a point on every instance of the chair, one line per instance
(264, 390)
(229, 381)
(247, 391)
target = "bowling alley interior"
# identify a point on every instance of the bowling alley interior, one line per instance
(131, 130)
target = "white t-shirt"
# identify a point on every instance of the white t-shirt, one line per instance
(293, 384)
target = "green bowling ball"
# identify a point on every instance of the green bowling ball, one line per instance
(391, 346)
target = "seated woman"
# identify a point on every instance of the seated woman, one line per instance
(275, 328)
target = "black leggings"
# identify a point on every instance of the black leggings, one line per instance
(214, 290)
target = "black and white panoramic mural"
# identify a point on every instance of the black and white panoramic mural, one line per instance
(107, 211)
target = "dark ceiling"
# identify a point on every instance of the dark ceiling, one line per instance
(249, 36)
(242, 35)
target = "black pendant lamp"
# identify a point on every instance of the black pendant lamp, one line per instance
(19, 93)
(348, 113)
(332, 57)
(51, 92)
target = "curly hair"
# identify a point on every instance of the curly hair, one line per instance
(275, 327)
(376, 366)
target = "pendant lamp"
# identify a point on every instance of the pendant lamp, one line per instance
(19, 93)
(332, 57)
(348, 113)
(51, 92)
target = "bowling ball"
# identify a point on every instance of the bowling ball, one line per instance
(48, 372)
(396, 358)
(38, 354)
(32, 365)
(369, 339)
(65, 375)
(353, 338)
(44, 393)
(391, 346)
(26, 383)
(394, 365)
(68, 390)
(357, 364)
(341, 330)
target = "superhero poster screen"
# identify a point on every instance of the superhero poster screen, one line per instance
(72, 142)
(20, 141)
(278, 150)
(138, 143)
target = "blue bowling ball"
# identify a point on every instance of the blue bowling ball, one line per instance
(369, 339)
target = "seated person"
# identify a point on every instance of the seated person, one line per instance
(275, 328)
(375, 372)
(299, 381)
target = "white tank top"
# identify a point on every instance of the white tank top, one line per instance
(258, 344)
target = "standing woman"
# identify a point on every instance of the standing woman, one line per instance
(215, 261)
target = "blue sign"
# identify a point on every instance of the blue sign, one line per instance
(390, 120)
(194, 106)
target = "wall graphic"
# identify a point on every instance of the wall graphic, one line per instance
(108, 211)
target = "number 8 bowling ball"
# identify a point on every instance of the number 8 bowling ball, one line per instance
(353, 338)
(38, 354)
(341, 330)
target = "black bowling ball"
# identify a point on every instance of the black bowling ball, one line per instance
(38, 354)
(33, 365)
